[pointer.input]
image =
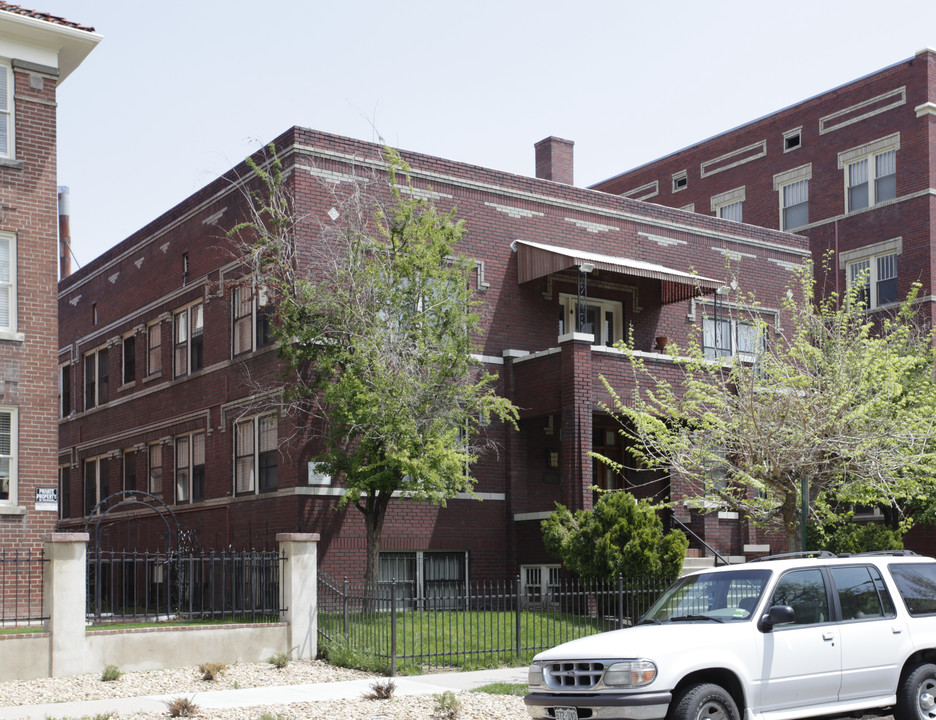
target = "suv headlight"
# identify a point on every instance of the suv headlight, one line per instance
(629, 673)
(535, 676)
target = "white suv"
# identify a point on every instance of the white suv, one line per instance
(778, 639)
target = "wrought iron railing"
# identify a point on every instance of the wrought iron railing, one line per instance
(22, 574)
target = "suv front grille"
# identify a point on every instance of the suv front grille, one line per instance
(573, 675)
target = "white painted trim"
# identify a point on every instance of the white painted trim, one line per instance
(760, 146)
(523, 517)
(756, 548)
(826, 127)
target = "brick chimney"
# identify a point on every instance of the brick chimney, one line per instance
(554, 160)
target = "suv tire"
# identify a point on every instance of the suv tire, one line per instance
(707, 701)
(916, 696)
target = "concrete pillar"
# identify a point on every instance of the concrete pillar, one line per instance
(300, 592)
(64, 583)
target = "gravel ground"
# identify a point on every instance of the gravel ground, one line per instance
(184, 681)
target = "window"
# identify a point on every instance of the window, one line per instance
(805, 592)
(7, 143)
(430, 580)
(727, 205)
(9, 441)
(7, 280)
(540, 584)
(792, 139)
(188, 333)
(154, 349)
(603, 318)
(255, 455)
(96, 482)
(729, 337)
(915, 583)
(154, 469)
(190, 467)
(862, 593)
(793, 186)
(129, 360)
(872, 272)
(130, 470)
(96, 376)
(252, 328)
(64, 492)
(870, 173)
(680, 181)
(65, 394)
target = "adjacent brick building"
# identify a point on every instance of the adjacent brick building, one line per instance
(37, 52)
(853, 169)
(160, 350)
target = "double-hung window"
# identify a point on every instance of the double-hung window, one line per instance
(188, 334)
(96, 378)
(7, 144)
(65, 390)
(603, 318)
(870, 172)
(96, 482)
(255, 454)
(252, 329)
(7, 282)
(727, 205)
(9, 426)
(793, 187)
(154, 349)
(154, 469)
(871, 272)
(64, 475)
(128, 361)
(727, 337)
(190, 467)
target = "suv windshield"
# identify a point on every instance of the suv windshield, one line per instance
(724, 596)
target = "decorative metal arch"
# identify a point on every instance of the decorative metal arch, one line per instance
(137, 498)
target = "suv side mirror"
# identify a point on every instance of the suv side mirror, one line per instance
(777, 615)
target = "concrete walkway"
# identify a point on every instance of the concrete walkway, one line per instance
(279, 695)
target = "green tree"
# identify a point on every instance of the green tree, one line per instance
(838, 397)
(618, 536)
(375, 318)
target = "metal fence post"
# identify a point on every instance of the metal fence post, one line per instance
(344, 603)
(620, 600)
(393, 667)
(517, 598)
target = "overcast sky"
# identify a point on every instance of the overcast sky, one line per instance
(178, 92)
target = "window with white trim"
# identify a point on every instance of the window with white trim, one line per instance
(252, 329)
(154, 349)
(154, 469)
(190, 467)
(96, 482)
(792, 139)
(7, 144)
(188, 339)
(793, 189)
(871, 272)
(255, 454)
(870, 173)
(96, 378)
(9, 445)
(424, 579)
(680, 181)
(603, 318)
(729, 337)
(540, 584)
(727, 205)
(7, 282)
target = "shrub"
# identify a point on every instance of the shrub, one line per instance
(853, 537)
(381, 691)
(181, 707)
(343, 655)
(212, 671)
(447, 706)
(279, 660)
(111, 673)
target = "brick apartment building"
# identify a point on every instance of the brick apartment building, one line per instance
(159, 349)
(852, 169)
(37, 52)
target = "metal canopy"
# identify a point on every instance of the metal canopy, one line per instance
(536, 260)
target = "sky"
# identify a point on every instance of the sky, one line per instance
(177, 93)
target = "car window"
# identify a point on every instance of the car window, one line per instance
(860, 592)
(728, 596)
(805, 592)
(917, 585)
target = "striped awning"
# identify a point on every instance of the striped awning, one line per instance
(536, 260)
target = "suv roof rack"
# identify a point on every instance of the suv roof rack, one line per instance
(895, 553)
(800, 554)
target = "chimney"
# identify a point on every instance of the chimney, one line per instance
(64, 233)
(554, 159)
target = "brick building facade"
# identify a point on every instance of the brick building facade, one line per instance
(852, 169)
(37, 52)
(160, 351)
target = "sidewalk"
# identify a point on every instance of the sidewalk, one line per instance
(281, 695)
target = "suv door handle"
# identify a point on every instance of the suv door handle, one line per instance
(896, 630)
(828, 636)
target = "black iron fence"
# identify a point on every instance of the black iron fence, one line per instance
(151, 586)
(21, 579)
(479, 624)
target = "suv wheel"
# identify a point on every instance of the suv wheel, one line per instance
(916, 697)
(707, 701)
